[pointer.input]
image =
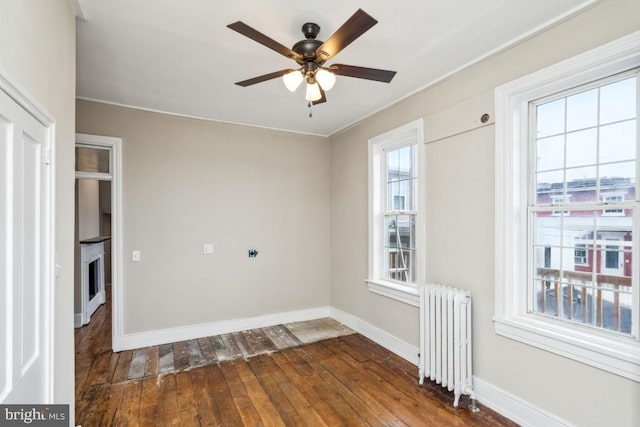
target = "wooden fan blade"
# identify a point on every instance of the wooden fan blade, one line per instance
(321, 100)
(257, 36)
(355, 26)
(362, 72)
(263, 78)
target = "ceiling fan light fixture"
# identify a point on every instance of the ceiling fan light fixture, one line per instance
(292, 80)
(313, 92)
(325, 78)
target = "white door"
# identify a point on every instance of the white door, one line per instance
(25, 256)
(613, 260)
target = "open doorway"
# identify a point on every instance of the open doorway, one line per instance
(98, 235)
(93, 246)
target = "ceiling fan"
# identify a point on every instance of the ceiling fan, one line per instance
(311, 55)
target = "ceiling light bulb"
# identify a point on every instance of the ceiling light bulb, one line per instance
(313, 92)
(326, 79)
(292, 80)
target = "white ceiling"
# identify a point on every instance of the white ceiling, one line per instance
(178, 56)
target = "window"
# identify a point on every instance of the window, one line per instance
(559, 200)
(566, 208)
(580, 254)
(584, 143)
(398, 203)
(395, 182)
(613, 199)
(92, 159)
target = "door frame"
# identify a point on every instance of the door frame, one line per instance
(117, 276)
(618, 271)
(48, 266)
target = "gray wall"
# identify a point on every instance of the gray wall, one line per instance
(460, 222)
(37, 52)
(188, 182)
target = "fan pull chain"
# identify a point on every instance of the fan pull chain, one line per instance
(309, 105)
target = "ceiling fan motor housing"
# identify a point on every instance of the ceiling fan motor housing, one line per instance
(310, 30)
(307, 48)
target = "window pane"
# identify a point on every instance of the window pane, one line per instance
(541, 291)
(582, 268)
(617, 176)
(582, 148)
(582, 110)
(406, 161)
(400, 195)
(612, 258)
(393, 165)
(401, 179)
(547, 184)
(92, 160)
(542, 259)
(547, 229)
(407, 192)
(581, 185)
(400, 242)
(583, 256)
(618, 101)
(618, 142)
(393, 190)
(550, 153)
(577, 229)
(550, 118)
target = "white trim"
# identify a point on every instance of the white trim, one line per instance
(607, 351)
(379, 336)
(505, 46)
(90, 253)
(77, 320)
(18, 94)
(188, 116)
(182, 333)
(48, 265)
(403, 293)
(513, 407)
(510, 406)
(117, 251)
(408, 134)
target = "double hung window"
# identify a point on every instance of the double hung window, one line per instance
(395, 266)
(567, 208)
(584, 144)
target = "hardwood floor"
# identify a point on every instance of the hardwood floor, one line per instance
(343, 381)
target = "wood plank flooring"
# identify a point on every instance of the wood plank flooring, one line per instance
(343, 381)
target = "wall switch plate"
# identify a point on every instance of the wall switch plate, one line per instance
(207, 248)
(135, 256)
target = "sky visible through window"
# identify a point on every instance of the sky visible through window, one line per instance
(580, 132)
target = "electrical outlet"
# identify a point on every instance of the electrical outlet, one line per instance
(207, 248)
(135, 256)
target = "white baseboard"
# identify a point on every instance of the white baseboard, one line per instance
(513, 407)
(385, 339)
(164, 336)
(77, 320)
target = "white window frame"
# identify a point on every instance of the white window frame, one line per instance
(584, 260)
(411, 133)
(605, 350)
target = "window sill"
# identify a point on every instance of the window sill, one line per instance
(618, 355)
(407, 294)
